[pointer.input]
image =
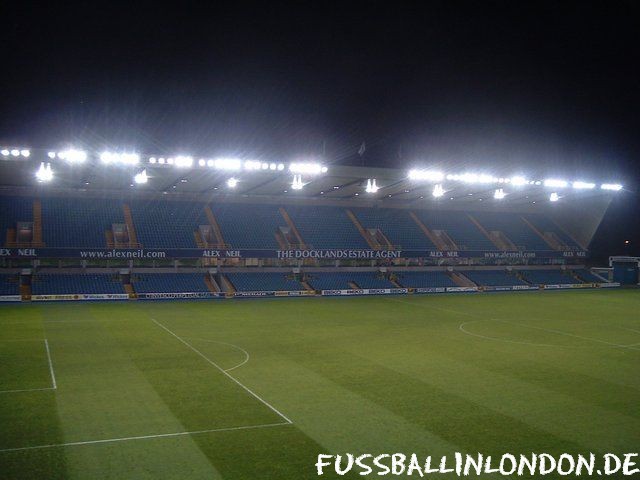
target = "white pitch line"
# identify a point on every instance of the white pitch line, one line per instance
(211, 362)
(246, 354)
(141, 437)
(27, 390)
(53, 376)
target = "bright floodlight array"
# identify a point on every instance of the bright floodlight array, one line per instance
(517, 181)
(71, 155)
(15, 152)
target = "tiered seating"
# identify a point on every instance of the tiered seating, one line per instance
(62, 284)
(397, 226)
(545, 224)
(13, 210)
(326, 227)
(424, 279)
(587, 277)
(547, 277)
(458, 226)
(330, 280)
(262, 281)
(512, 225)
(9, 284)
(492, 278)
(161, 224)
(169, 283)
(371, 280)
(72, 222)
(249, 226)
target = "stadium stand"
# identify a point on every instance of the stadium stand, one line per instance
(457, 226)
(169, 282)
(586, 276)
(545, 224)
(66, 284)
(69, 222)
(493, 278)
(346, 280)
(263, 281)
(424, 279)
(396, 225)
(326, 227)
(547, 277)
(9, 284)
(13, 210)
(167, 224)
(512, 225)
(248, 226)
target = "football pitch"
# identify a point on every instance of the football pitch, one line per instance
(256, 389)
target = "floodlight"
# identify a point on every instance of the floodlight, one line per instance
(583, 185)
(202, 162)
(252, 165)
(111, 158)
(25, 153)
(297, 182)
(554, 182)
(15, 152)
(611, 186)
(141, 177)
(227, 164)
(44, 173)
(51, 155)
(372, 187)
(438, 191)
(428, 175)
(280, 167)
(183, 161)
(5, 152)
(152, 160)
(554, 197)
(309, 168)
(499, 194)
(232, 182)
(518, 181)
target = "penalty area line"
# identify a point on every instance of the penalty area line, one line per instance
(142, 437)
(224, 372)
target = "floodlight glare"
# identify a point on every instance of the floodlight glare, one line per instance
(438, 191)
(15, 152)
(554, 182)
(372, 187)
(5, 152)
(72, 155)
(297, 182)
(308, 168)
(232, 182)
(183, 161)
(232, 164)
(583, 185)
(554, 197)
(202, 162)
(117, 158)
(611, 186)
(518, 181)
(426, 175)
(141, 177)
(44, 173)
(499, 194)
(25, 153)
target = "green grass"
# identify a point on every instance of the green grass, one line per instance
(528, 372)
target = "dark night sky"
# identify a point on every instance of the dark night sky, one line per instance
(549, 88)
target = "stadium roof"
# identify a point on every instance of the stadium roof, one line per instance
(116, 172)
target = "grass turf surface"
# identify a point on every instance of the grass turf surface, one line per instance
(519, 373)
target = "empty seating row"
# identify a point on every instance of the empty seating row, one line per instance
(512, 225)
(169, 282)
(493, 278)
(68, 284)
(457, 225)
(424, 279)
(547, 277)
(263, 281)
(326, 227)
(9, 284)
